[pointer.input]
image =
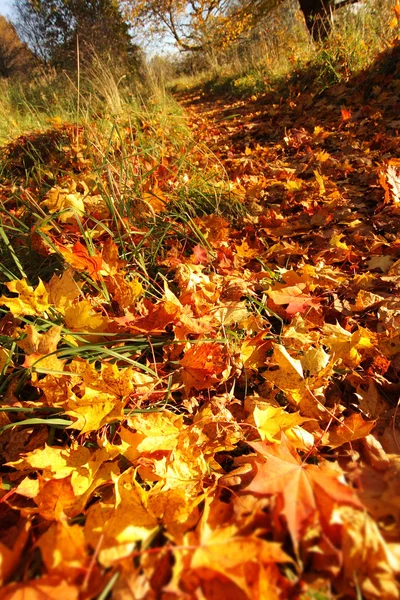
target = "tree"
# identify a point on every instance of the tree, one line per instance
(201, 25)
(51, 28)
(315, 14)
(15, 57)
(197, 25)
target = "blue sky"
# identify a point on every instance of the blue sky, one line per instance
(5, 8)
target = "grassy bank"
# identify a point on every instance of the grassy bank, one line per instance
(281, 50)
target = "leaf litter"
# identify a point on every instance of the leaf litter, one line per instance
(199, 404)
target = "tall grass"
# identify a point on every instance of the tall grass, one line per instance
(128, 146)
(281, 46)
(128, 172)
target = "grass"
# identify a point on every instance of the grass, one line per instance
(282, 50)
(130, 172)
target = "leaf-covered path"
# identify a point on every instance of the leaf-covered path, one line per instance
(319, 173)
(200, 388)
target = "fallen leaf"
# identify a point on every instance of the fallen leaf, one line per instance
(304, 488)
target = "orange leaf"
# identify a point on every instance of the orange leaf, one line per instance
(158, 317)
(346, 115)
(80, 259)
(303, 488)
(203, 366)
(352, 428)
(48, 587)
(297, 301)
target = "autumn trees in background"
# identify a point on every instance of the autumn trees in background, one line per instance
(204, 25)
(198, 25)
(15, 56)
(51, 28)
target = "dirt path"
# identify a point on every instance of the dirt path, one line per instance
(314, 169)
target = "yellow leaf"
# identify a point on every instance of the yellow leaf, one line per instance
(82, 317)
(40, 347)
(322, 156)
(320, 181)
(30, 301)
(253, 351)
(271, 422)
(348, 347)
(119, 525)
(294, 185)
(61, 199)
(314, 360)
(63, 290)
(94, 410)
(335, 242)
(125, 292)
(289, 378)
(246, 250)
(5, 360)
(85, 470)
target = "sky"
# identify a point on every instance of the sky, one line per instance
(5, 8)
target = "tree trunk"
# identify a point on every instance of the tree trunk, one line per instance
(317, 17)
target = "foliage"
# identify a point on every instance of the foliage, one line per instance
(52, 28)
(200, 347)
(15, 57)
(279, 52)
(200, 25)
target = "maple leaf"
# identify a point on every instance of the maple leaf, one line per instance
(247, 561)
(63, 290)
(290, 377)
(55, 499)
(253, 350)
(308, 492)
(272, 421)
(390, 181)
(347, 347)
(30, 301)
(112, 264)
(346, 115)
(93, 410)
(37, 347)
(157, 318)
(82, 317)
(203, 366)
(80, 259)
(63, 550)
(120, 525)
(215, 229)
(61, 199)
(367, 558)
(294, 296)
(124, 292)
(82, 469)
(199, 256)
(352, 428)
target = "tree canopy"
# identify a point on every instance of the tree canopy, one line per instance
(51, 28)
(197, 25)
(14, 55)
